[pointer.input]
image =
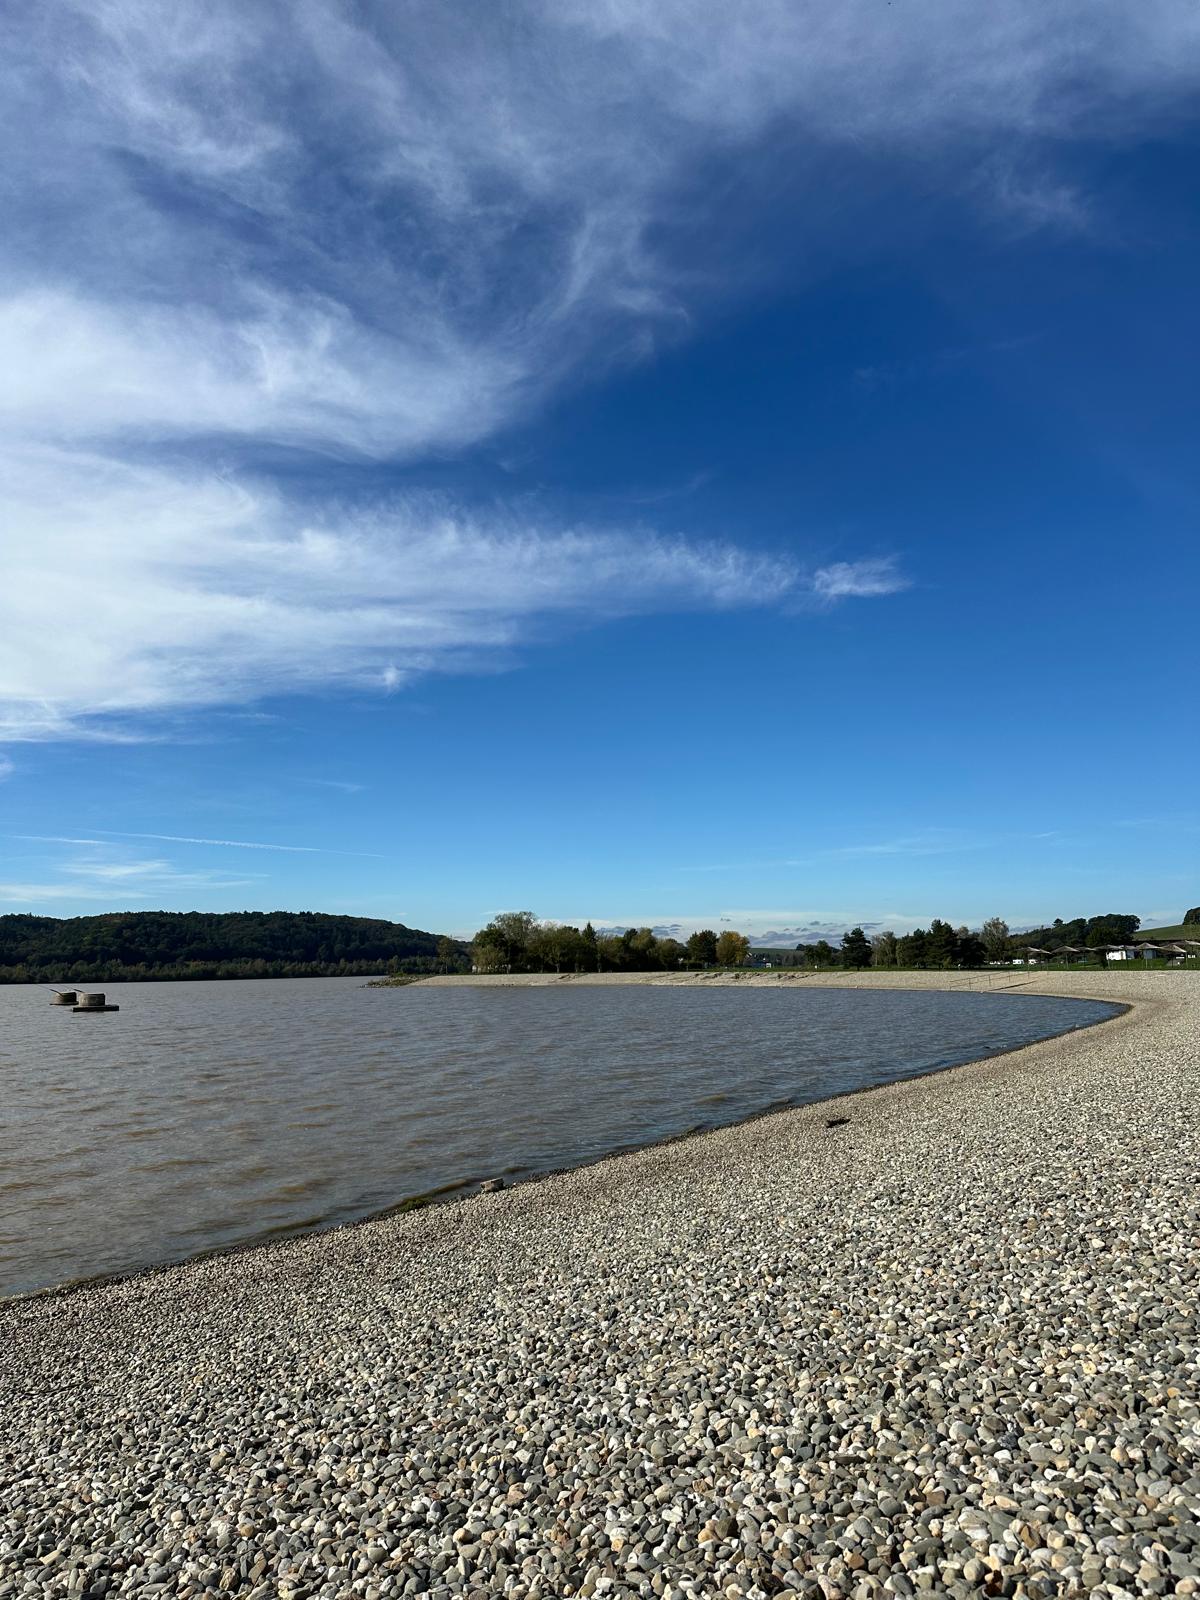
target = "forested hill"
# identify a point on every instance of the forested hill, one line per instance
(132, 945)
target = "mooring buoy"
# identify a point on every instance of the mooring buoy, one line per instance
(94, 1002)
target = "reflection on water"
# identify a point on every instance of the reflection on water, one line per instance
(209, 1114)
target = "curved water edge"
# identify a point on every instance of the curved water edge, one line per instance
(193, 1130)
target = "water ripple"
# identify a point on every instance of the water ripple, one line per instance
(206, 1115)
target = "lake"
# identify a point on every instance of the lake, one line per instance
(209, 1114)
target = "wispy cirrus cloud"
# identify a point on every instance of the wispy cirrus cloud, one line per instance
(342, 785)
(108, 873)
(933, 842)
(247, 844)
(33, 894)
(181, 838)
(395, 229)
(844, 580)
(392, 233)
(212, 592)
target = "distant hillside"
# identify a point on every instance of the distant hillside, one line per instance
(132, 945)
(1185, 930)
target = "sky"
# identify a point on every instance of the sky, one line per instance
(661, 464)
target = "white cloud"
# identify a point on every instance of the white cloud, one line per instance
(390, 232)
(142, 882)
(247, 844)
(858, 579)
(295, 370)
(32, 894)
(762, 925)
(110, 872)
(55, 838)
(201, 591)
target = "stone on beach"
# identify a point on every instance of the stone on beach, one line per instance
(953, 1354)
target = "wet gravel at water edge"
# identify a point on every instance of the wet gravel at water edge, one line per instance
(946, 1346)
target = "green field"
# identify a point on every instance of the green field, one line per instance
(1186, 930)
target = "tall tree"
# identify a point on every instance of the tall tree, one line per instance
(487, 955)
(883, 949)
(702, 947)
(940, 945)
(994, 938)
(554, 947)
(856, 949)
(732, 948)
(912, 949)
(820, 954)
(1191, 915)
(1114, 927)
(508, 934)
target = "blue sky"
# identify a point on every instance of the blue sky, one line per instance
(629, 462)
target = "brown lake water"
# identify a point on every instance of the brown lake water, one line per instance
(203, 1115)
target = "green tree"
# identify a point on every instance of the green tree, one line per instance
(912, 949)
(940, 944)
(507, 936)
(591, 954)
(856, 949)
(554, 947)
(883, 949)
(732, 948)
(820, 954)
(487, 956)
(642, 947)
(1114, 927)
(994, 938)
(968, 948)
(573, 954)
(1191, 915)
(702, 947)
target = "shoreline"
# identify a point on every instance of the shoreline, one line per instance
(469, 1190)
(946, 1345)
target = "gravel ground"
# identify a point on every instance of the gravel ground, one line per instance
(946, 1346)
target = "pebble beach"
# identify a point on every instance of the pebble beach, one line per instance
(938, 1337)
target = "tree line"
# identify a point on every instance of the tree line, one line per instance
(515, 941)
(159, 945)
(942, 945)
(939, 945)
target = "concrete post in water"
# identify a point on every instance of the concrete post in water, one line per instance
(64, 997)
(94, 1002)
